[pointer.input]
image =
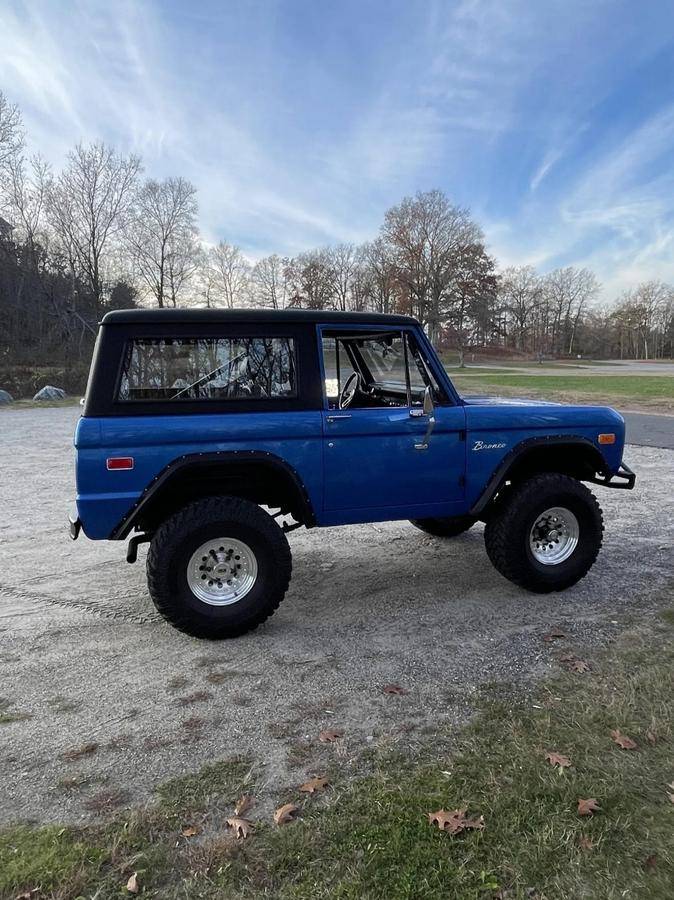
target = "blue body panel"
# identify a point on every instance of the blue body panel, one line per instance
(364, 468)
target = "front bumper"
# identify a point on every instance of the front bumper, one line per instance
(625, 478)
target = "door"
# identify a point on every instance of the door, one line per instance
(383, 454)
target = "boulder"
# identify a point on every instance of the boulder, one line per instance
(5, 397)
(49, 392)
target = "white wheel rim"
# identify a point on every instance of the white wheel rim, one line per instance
(554, 536)
(222, 571)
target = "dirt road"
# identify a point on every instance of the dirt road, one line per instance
(85, 660)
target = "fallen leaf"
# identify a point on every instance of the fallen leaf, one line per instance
(190, 831)
(650, 862)
(651, 737)
(579, 665)
(393, 689)
(556, 759)
(314, 784)
(553, 635)
(455, 821)
(242, 827)
(285, 813)
(567, 658)
(243, 804)
(587, 807)
(622, 740)
(132, 885)
(330, 735)
(586, 843)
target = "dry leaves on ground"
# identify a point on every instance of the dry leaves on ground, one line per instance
(556, 759)
(622, 740)
(132, 885)
(243, 804)
(330, 735)
(555, 634)
(393, 689)
(587, 807)
(242, 827)
(455, 822)
(78, 752)
(585, 843)
(579, 666)
(285, 813)
(190, 831)
(314, 785)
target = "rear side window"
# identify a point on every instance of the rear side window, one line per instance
(212, 368)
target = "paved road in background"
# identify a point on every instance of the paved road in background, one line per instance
(649, 430)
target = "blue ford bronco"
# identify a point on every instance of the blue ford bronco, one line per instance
(210, 434)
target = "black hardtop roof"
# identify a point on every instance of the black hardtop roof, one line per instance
(256, 316)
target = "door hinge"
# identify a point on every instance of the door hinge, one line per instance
(462, 480)
(462, 435)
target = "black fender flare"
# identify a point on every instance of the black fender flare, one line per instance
(500, 473)
(180, 463)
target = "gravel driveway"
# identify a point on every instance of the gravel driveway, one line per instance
(85, 660)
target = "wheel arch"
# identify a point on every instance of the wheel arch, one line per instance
(259, 476)
(571, 455)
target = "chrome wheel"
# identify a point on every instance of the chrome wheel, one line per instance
(222, 571)
(554, 536)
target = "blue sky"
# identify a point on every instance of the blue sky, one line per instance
(302, 121)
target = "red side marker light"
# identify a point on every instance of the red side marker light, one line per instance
(114, 463)
(606, 439)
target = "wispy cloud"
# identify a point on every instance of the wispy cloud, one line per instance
(300, 123)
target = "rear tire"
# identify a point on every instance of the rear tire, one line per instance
(444, 527)
(218, 568)
(546, 534)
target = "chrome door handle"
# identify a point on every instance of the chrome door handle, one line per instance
(334, 418)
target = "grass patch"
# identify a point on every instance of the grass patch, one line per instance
(223, 780)
(369, 837)
(650, 390)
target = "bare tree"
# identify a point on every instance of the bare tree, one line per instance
(379, 260)
(428, 236)
(88, 205)
(11, 131)
(311, 279)
(229, 275)
(25, 184)
(161, 235)
(343, 262)
(568, 292)
(520, 292)
(268, 285)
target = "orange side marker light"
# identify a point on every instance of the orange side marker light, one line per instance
(606, 439)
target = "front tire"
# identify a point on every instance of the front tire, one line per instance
(546, 534)
(446, 528)
(218, 568)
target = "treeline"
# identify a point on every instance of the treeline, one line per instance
(98, 235)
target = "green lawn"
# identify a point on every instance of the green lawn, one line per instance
(647, 390)
(370, 837)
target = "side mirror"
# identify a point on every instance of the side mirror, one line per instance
(429, 410)
(429, 406)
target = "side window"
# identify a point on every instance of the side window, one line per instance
(421, 376)
(391, 367)
(233, 368)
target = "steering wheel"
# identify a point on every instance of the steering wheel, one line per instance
(349, 391)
